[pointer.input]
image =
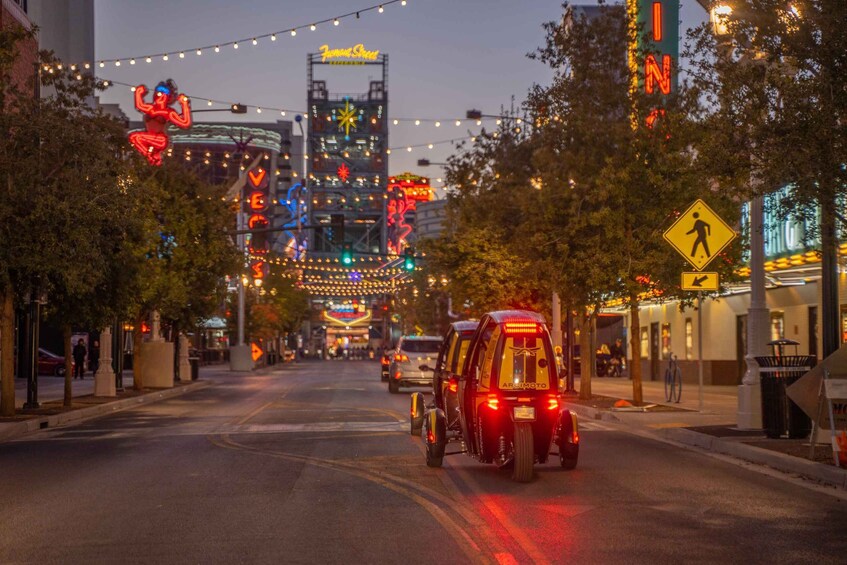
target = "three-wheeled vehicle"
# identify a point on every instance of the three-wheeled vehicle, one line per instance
(509, 409)
(445, 384)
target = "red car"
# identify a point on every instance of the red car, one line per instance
(50, 363)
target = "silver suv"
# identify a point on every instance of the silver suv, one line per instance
(413, 351)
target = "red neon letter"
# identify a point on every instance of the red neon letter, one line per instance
(657, 21)
(256, 180)
(652, 73)
(257, 201)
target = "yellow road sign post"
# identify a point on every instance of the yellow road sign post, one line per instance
(699, 235)
(700, 281)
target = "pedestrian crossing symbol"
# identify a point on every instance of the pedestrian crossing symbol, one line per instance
(699, 235)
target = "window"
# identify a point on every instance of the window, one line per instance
(689, 339)
(420, 345)
(666, 341)
(645, 342)
(525, 364)
(777, 325)
(844, 324)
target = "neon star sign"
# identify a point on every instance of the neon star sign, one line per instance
(343, 172)
(347, 118)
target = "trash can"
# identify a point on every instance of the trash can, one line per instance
(195, 367)
(780, 415)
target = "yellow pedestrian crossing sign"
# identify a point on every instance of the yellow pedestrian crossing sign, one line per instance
(699, 280)
(699, 235)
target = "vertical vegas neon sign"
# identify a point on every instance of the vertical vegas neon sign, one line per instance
(653, 56)
(256, 207)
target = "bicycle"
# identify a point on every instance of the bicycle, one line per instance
(673, 381)
(616, 368)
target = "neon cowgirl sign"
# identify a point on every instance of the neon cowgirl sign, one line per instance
(157, 115)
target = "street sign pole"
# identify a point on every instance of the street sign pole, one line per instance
(700, 351)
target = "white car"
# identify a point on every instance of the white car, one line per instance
(413, 351)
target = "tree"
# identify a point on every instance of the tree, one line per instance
(61, 167)
(778, 92)
(187, 251)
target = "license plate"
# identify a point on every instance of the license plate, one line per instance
(524, 413)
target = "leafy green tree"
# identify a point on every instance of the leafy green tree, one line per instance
(777, 88)
(187, 250)
(61, 165)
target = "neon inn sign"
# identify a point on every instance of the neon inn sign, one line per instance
(349, 55)
(657, 47)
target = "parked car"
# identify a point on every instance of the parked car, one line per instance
(412, 351)
(509, 409)
(445, 385)
(50, 364)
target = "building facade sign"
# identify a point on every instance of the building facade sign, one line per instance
(355, 55)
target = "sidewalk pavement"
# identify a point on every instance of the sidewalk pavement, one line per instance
(51, 393)
(686, 425)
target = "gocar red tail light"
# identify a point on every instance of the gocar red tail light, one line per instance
(493, 402)
(453, 384)
(552, 403)
(523, 328)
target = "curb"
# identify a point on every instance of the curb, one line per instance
(832, 476)
(17, 429)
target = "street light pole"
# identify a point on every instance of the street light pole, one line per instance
(749, 412)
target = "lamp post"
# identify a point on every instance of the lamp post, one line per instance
(749, 413)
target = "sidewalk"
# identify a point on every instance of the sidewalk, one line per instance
(51, 413)
(714, 429)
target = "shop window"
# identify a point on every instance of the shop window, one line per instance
(689, 339)
(777, 325)
(645, 342)
(844, 323)
(666, 341)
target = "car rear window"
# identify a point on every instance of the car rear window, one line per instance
(421, 346)
(525, 364)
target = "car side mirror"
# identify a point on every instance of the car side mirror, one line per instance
(425, 368)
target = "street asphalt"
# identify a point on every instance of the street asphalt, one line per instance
(313, 463)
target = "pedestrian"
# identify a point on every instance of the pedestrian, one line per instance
(94, 357)
(79, 359)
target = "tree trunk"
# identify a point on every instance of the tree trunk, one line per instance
(67, 340)
(7, 353)
(635, 349)
(586, 355)
(175, 337)
(137, 337)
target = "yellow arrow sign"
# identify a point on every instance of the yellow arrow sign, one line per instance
(699, 281)
(699, 235)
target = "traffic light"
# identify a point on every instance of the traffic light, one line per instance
(347, 254)
(409, 259)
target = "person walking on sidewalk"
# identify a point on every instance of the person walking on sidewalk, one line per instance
(79, 359)
(94, 357)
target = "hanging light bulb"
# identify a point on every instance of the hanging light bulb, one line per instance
(293, 32)
(132, 61)
(255, 41)
(235, 45)
(417, 122)
(148, 59)
(313, 27)
(335, 22)
(117, 64)
(381, 9)
(164, 57)
(273, 37)
(438, 124)
(199, 52)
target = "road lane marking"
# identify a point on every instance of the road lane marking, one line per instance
(318, 427)
(396, 484)
(253, 413)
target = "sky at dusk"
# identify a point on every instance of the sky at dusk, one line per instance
(445, 57)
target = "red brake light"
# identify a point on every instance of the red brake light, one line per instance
(493, 402)
(522, 328)
(453, 384)
(399, 357)
(552, 403)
